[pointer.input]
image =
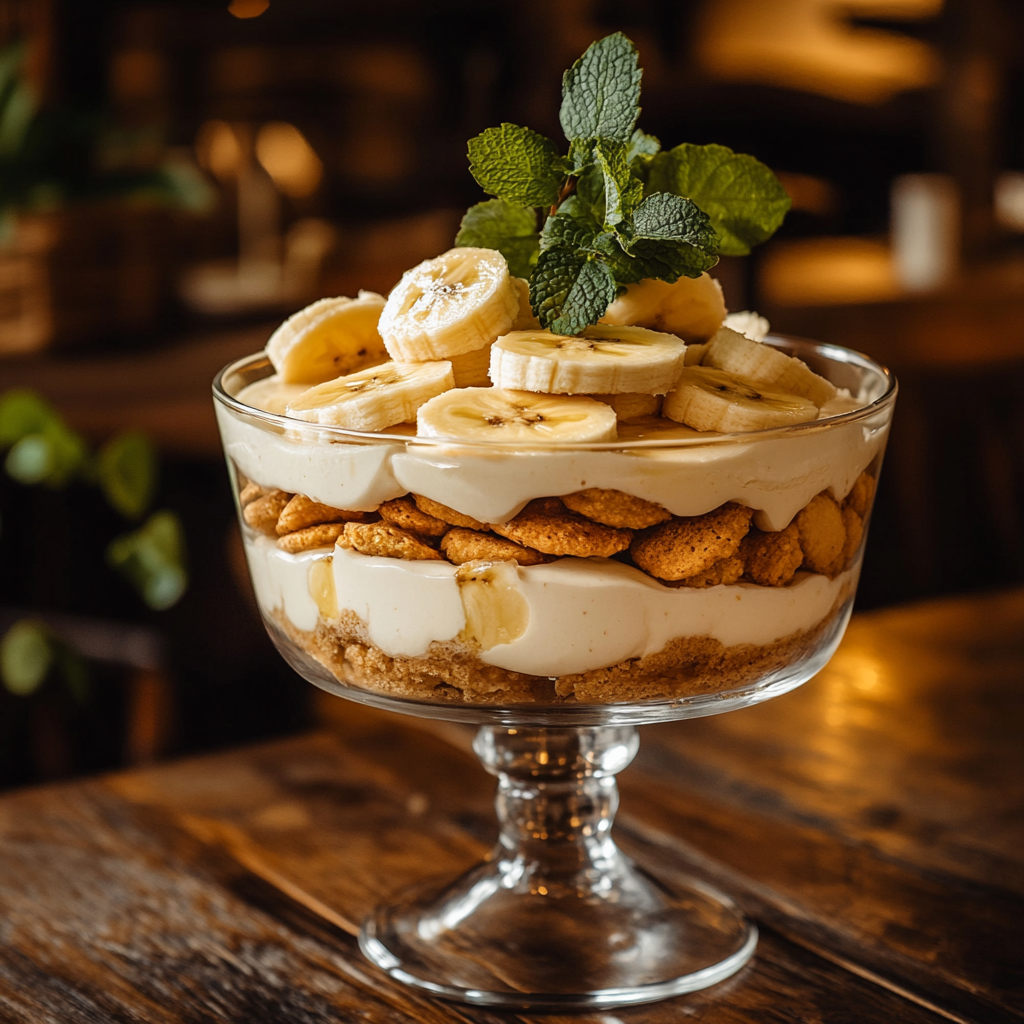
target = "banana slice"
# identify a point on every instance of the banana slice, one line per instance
(692, 307)
(375, 398)
(603, 360)
(270, 394)
(329, 338)
(629, 405)
(525, 321)
(708, 399)
(470, 369)
(458, 302)
(515, 417)
(748, 323)
(742, 357)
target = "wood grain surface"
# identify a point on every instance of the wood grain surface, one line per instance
(870, 822)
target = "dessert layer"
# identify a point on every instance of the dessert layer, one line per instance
(453, 672)
(774, 476)
(568, 617)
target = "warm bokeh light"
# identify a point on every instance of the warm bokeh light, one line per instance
(826, 271)
(808, 45)
(248, 8)
(218, 150)
(289, 159)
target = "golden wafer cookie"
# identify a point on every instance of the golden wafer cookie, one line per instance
(859, 498)
(548, 526)
(723, 573)
(386, 541)
(263, 513)
(616, 508)
(772, 559)
(301, 512)
(322, 535)
(249, 493)
(448, 515)
(460, 545)
(682, 548)
(404, 512)
(822, 532)
(854, 534)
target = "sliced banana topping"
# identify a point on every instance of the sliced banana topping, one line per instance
(327, 339)
(470, 369)
(496, 414)
(375, 398)
(629, 405)
(709, 399)
(602, 360)
(748, 323)
(732, 352)
(270, 394)
(458, 302)
(525, 321)
(692, 307)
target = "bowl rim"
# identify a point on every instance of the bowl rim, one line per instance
(836, 353)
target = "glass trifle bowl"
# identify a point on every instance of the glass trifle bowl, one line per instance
(504, 586)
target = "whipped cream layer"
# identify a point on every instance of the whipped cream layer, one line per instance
(774, 476)
(584, 614)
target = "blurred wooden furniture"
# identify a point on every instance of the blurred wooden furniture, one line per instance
(871, 822)
(85, 272)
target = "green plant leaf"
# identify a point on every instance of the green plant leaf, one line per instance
(565, 231)
(26, 656)
(642, 144)
(24, 412)
(670, 232)
(152, 559)
(622, 191)
(507, 227)
(743, 198)
(570, 291)
(518, 165)
(126, 467)
(601, 91)
(51, 457)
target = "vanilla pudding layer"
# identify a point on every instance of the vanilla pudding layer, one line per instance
(775, 476)
(584, 629)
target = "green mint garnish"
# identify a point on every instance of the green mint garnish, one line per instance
(569, 291)
(507, 227)
(616, 209)
(518, 165)
(601, 92)
(745, 201)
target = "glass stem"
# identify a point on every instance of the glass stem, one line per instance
(556, 802)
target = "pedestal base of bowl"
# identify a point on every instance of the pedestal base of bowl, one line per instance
(558, 916)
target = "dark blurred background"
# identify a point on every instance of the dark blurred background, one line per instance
(177, 176)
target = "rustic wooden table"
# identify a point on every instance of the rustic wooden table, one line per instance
(870, 822)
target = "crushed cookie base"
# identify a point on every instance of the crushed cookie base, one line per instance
(451, 672)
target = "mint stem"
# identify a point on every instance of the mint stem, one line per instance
(566, 190)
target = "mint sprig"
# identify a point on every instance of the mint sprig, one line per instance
(507, 227)
(745, 201)
(601, 92)
(615, 209)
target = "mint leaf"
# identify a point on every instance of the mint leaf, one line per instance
(672, 235)
(518, 165)
(570, 291)
(601, 91)
(507, 227)
(622, 192)
(24, 412)
(745, 201)
(642, 144)
(566, 231)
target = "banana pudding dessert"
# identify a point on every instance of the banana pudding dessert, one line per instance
(550, 467)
